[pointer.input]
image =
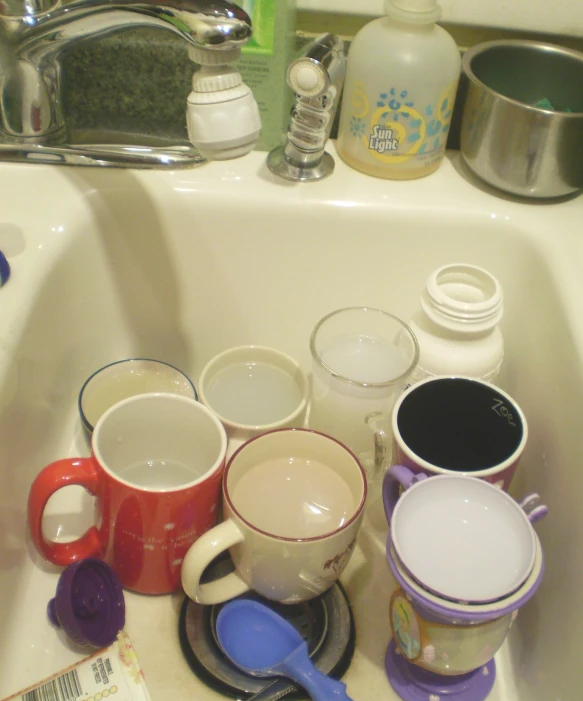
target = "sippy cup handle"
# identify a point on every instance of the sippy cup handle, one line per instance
(396, 478)
(533, 508)
(399, 477)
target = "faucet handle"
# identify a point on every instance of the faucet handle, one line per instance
(316, 76)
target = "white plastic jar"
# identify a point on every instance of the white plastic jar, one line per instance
(457, 324)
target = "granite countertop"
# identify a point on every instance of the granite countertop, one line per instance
(134, 82)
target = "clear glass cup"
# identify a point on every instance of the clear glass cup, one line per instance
(361, 359)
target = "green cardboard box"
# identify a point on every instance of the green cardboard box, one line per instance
(263, 64)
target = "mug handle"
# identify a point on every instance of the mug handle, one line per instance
(397, 477)
(59, 474)
(377, 424)
(200, 555)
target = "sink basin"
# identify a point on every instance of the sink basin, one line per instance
(183, 264)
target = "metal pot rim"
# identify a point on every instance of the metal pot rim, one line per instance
(483, 47)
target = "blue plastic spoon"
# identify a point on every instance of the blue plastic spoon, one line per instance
(263, 644)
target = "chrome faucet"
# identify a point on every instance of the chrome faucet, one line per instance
(35, 34)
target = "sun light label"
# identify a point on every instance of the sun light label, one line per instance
(382, 139)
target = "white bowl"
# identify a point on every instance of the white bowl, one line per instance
(463, 538)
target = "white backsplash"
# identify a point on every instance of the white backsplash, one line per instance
(561, 17)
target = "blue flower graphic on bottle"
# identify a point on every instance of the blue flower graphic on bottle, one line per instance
(391, 101)
(357, 126)
(395, 129)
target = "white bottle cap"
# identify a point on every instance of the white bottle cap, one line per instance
(416, 11)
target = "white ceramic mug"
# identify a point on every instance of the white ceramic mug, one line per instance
(293, 502)
(252, 390)
(127, 378)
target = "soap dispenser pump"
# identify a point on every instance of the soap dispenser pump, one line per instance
(401, 81)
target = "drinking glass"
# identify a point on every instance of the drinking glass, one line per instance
(361, 359)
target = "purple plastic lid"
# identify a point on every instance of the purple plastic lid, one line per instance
(89, 604)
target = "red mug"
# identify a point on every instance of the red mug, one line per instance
(155, 471)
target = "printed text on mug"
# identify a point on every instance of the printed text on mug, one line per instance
(502, 411)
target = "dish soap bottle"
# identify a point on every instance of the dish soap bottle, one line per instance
(401, 81)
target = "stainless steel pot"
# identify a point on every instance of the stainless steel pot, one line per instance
(522, 119)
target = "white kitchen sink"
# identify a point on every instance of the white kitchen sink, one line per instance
(180, 265)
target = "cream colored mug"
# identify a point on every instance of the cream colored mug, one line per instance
(293, 503)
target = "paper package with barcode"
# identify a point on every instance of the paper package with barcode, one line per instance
(112, 674)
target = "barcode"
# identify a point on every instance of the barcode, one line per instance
(66, 687)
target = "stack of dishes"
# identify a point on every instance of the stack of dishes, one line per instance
(465, 557)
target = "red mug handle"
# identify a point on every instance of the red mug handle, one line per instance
(59, 474)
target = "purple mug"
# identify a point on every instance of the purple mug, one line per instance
(459, 425)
